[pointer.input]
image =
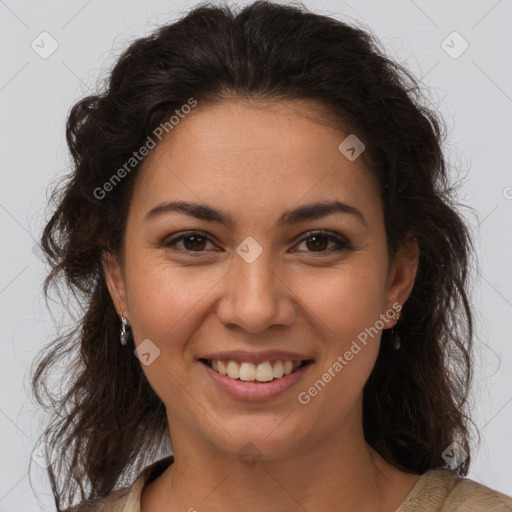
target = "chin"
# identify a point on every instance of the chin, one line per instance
(255, 438)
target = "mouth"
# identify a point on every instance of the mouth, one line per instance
(255, 382)
(264, 372)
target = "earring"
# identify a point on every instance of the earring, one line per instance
(125, 334)
(395, 338)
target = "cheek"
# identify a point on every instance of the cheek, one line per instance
(346, 300)
(168, 304)
(165, 297)
(347, 305)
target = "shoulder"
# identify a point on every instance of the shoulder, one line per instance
(444, 491)
(472, 496)
(114, 503)
(126, 499)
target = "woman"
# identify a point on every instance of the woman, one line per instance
(274, 276)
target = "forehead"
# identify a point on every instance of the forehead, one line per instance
(248, 153)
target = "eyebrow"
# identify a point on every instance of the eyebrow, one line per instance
(302, 213)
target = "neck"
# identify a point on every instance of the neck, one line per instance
(341, 473)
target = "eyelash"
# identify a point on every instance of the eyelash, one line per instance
(339, 241)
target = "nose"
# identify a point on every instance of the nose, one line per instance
(255, 296)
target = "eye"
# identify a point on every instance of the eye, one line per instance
(195, 242)
(319, 241)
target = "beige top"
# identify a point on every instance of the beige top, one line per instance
(437, 490)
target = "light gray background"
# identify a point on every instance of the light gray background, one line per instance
(473, 91)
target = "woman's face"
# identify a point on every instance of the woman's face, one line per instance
(252, 281)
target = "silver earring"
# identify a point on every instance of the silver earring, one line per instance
(395, 338)
(125, 334)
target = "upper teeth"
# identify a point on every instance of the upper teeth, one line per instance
(262, 372)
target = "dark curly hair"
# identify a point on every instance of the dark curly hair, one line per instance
(108, 422)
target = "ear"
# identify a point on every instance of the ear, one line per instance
(402, 273)
(115, 282)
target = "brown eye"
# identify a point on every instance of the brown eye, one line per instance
(319, 242)
(192, 242)
(316, 242)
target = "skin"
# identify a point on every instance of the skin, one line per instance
(255, 160)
